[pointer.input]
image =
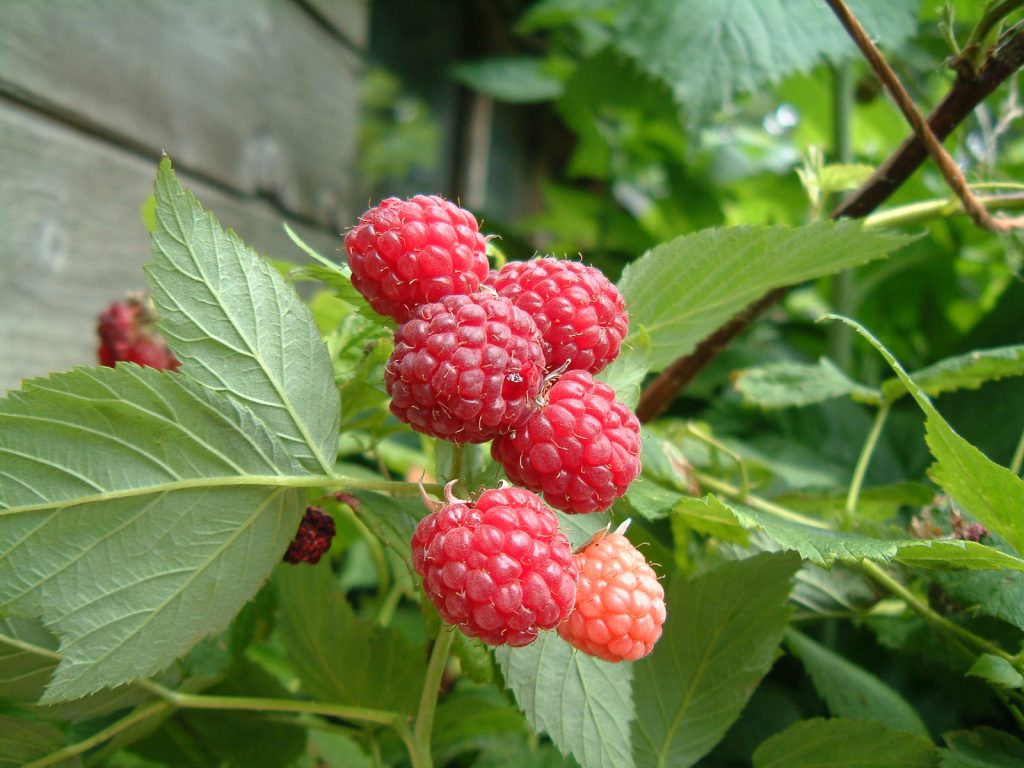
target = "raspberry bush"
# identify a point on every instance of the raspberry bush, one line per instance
(465, 506)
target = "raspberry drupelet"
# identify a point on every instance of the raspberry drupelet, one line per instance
(581, 315)
(404, 253)
(498, 568)
(581, 448)
(466, 368)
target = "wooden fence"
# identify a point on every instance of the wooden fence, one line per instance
(256, 101)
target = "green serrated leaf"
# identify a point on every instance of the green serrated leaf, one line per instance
(139, 512)
(843, 743)
(785, 385)
(704, 516)
(982, 748)
(584, 704)
(683, 290)
(23, 741)
(990, 493)
(238, 327)
(967, 371)
(627, 373)
(709, 52)
(996, 670)
(851, 691)
(514, 79)
(999, 594)
(720, 639)
(329, 646)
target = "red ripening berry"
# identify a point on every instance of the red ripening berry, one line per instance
(313, 538)
(581, 315)
(127, 334)
(404, 253)
(620, 604)
(498, 569)
(581, 448)
(466, 368)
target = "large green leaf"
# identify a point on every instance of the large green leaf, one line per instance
(22, 741)
(330, 648)
(709, 52)
(681, 291)
(138, 512)
(999, 594)
(582, 703)
(967, 371)
(982, 748)
(851, 691)
(720, 639)
(239, 327)
(845, 744)
(782, 385)
(989, 492)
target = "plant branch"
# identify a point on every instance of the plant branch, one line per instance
(965, 94)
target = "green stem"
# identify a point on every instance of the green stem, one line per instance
(727, 489)
(840, 336)
(1018, 456)
(917, 213)
(995, 12)
(376, 550)
(421, 757)
(936, 620)
(716, 444)
(112, 730)
(850, 509)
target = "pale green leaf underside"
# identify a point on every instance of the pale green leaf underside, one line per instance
(681, 291)
(584, 704)
(845, 744)
(989, 492)
(719, 640)
(239, 327)
(138, 512)
(851, 691)
(967, 371)
(784, 385)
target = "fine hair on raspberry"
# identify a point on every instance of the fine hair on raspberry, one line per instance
(466, 368)
(620, 604)
(581, 315)
(498, 568)
(580, 449)
(404, 253)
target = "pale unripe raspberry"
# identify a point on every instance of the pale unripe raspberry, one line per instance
(620, 604)
(581, 315)
(404, 253)
(498, 569)
(581, 448)
(466, 368)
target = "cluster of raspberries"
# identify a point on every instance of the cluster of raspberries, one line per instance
(127, 333)
(508, 356)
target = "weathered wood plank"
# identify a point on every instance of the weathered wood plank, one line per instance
(73, 240)
(253, 94)
(350, 18)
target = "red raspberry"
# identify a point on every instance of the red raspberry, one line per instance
(498, 569)
(313, 538)
(466, 368)
(581, 315)
(581, 449)
(620, 604)
(126, 334)
(404, 253)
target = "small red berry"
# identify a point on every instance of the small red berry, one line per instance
(404, 253)
(466, 368)
(127, 334)
(581, 448)
(313, 538)
(620, 604)
(498, 569)
(581, 315)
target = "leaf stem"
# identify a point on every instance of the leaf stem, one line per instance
(373, 544)
(1018, 456)
(718, 445)
(112, 730)
(850, 508)
(421, 757)
(926, 210)
(727, 489)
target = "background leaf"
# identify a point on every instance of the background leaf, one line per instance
(825, 743)
(584, 704)
(682, 290)
(22, 741)
(982, 748)
(967, 371)
(238, 327)
(516, 79)
(783, 385)
(721, 637)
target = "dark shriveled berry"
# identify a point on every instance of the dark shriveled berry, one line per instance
(313, 538)
(465, 369)
(581, 448)
(498, 569)
(404, 253)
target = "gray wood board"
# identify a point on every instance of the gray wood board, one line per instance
(73, 239)
(253, 94)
